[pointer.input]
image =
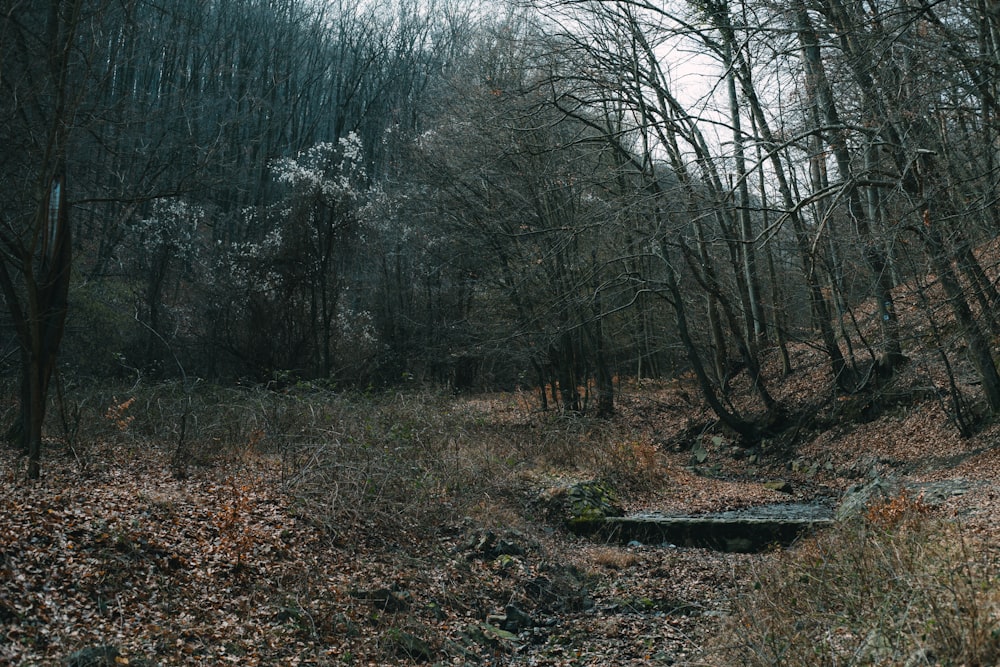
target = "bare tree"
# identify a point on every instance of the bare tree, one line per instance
(39, 87)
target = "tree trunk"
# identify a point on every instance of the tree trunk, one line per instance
(40, 319)
(749, 432)
(819, 89)
(843, 375)
(750, 283)
(979, 346)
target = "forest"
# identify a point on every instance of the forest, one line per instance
(557, 195)
(317, 314)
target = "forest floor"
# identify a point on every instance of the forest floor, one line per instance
(236, 559)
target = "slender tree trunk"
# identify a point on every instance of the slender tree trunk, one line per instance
(749, 431)
(979, 346)
(754, 312)
(983, 290)
(709, 282)
(40, 318)
(818, 87)
(605, 379)
(842, 373)
(980, 352)
(779, 315)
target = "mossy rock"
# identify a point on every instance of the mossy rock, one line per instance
(582, 507)
(410, 646)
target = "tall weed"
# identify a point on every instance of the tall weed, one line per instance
(377, 463)
(897, 586)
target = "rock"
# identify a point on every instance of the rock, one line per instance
(505, 548)
(498, 633)
(410, 646)
(561, 588)
(516, 620)
(582, 507)
(936, 493)
(481, 546)
(781, 486)
(506, 562)
(488, 546)
(489, 636)
(94, 656)
(860, 496)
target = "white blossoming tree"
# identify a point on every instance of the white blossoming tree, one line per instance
(294, 275)
(166, 244)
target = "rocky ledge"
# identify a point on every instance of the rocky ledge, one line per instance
(744, 531)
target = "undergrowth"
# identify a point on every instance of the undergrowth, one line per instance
(896, 586)
(362, 463)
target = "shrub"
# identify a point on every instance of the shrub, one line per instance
(386, 463)
(372, 463)
(894, 586)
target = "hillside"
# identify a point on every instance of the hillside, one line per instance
(310, 528)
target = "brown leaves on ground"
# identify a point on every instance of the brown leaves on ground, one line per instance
(232, 565)
(131, 557)
(220, 568)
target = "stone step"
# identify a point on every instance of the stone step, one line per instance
(739, 531)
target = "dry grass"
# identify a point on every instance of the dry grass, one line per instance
(897, 586)
(900, 585)
(378, 463)
(612, 558)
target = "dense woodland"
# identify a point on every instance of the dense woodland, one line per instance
(555, 195)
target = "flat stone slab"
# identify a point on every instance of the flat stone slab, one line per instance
(738, 531)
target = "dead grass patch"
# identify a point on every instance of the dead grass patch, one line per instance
(895, 586)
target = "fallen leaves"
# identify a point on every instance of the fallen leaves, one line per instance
(218, 569)
(110, 558)
(226, 566)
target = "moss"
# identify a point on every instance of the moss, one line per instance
(589, 503)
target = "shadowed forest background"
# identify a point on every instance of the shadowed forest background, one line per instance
(556, 196)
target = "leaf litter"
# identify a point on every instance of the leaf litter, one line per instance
(227, 566)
